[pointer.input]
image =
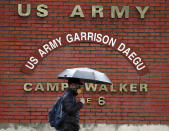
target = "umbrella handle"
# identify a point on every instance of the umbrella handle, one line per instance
(83, 94)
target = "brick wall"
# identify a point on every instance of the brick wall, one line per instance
(20, 36)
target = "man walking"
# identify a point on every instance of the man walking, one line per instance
(71, 107)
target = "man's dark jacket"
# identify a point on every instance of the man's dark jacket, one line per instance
(71, 122)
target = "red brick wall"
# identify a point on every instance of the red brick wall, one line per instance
(19, 36)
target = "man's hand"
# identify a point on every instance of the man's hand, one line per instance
(82, 100)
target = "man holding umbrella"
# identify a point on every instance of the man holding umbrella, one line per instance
(71, 107)
(74, 77)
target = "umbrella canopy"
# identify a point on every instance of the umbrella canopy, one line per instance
(85, 75)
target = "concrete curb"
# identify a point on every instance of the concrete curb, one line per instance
(84, 127)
